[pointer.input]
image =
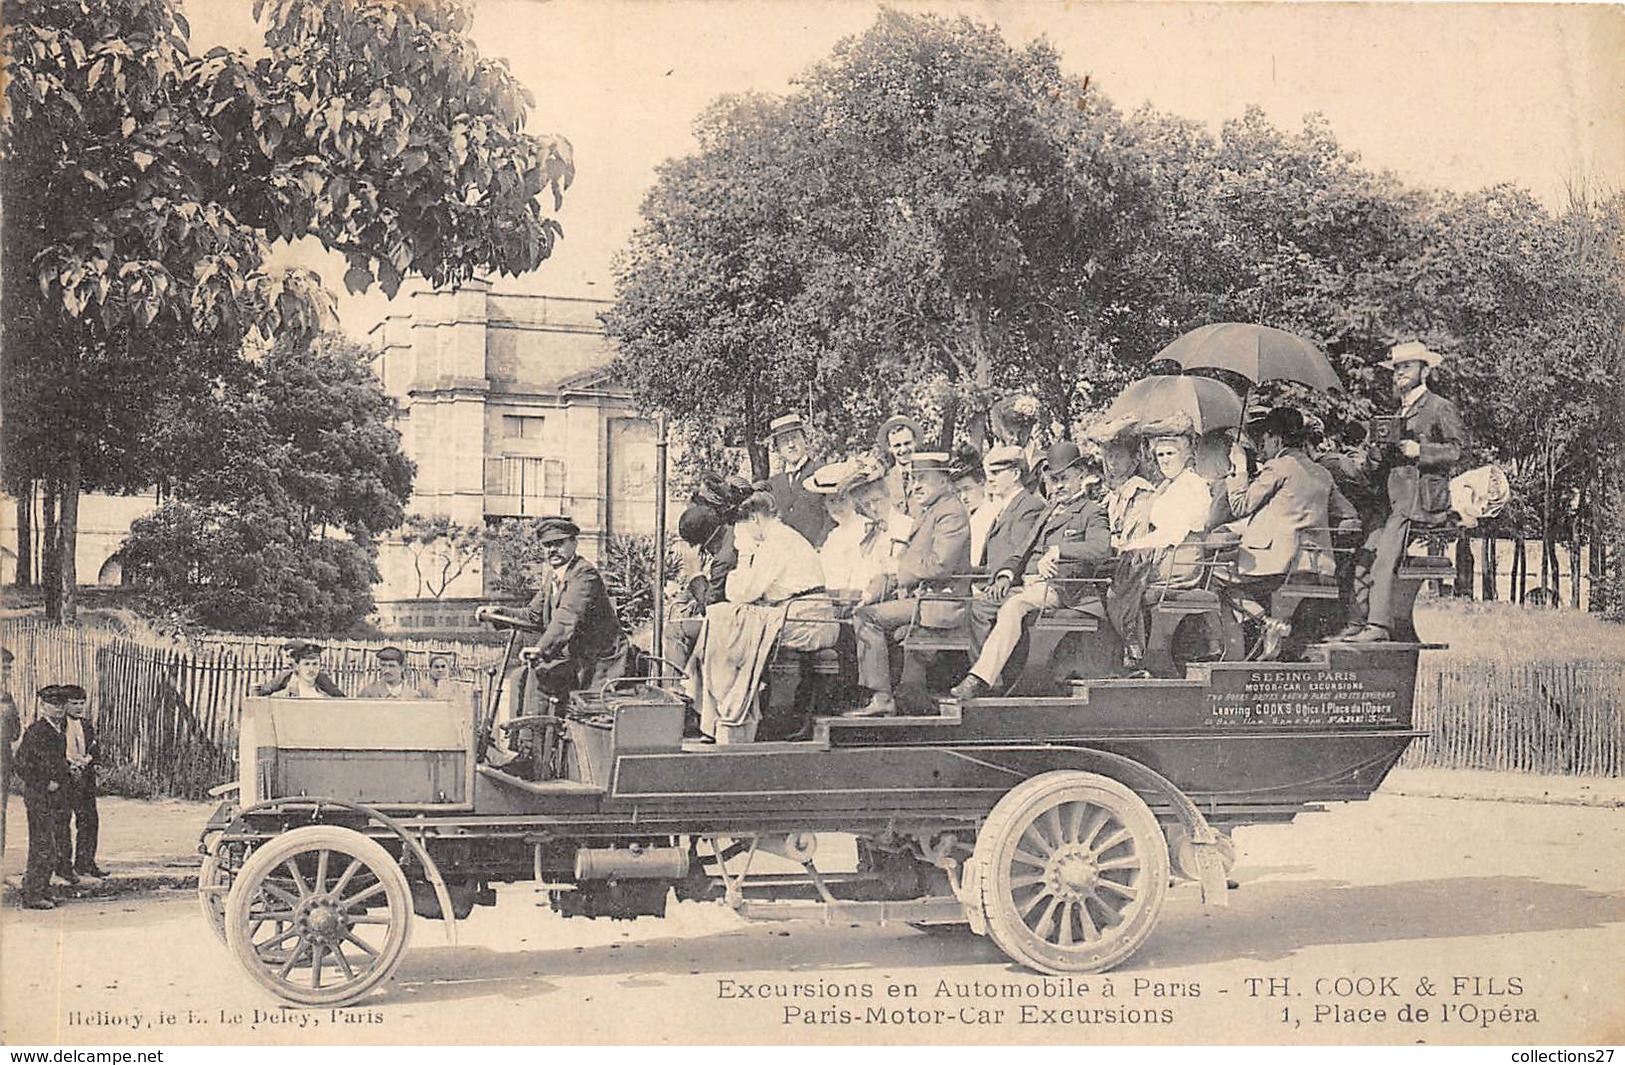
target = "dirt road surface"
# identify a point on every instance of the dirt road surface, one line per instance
(1400, 920)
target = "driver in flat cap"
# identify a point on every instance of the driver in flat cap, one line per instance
(582, 645)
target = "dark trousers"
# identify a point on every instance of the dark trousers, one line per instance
(81, 827)
(1374, 581)
(44, 830)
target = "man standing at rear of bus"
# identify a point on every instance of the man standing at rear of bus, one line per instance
(1423, 446)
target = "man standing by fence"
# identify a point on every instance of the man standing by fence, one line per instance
(11, 727)
(42, 763)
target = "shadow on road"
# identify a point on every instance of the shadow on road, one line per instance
(1265, 922)
(1269, 921)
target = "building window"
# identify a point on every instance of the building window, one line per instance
(522, 426)
(532, 478)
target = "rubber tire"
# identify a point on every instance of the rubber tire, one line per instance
(1004, 829)
(269, 856)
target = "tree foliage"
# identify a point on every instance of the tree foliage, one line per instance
(143, 186)
(933, 217)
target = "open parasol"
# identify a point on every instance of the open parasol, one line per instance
(1257, 352)
(1174, 403)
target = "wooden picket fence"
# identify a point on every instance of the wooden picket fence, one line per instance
(166, 715)
(1545, 717)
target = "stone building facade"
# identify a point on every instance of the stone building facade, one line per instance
(508, 411)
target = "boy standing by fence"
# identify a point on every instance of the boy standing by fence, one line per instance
(81, 827)
(42, 762)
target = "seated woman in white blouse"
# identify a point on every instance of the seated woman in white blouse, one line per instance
(778, 567)
(857, 550)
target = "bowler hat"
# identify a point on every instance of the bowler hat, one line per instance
(1285, 422)
(554, 530)
(1411, 351)
(1062, 455)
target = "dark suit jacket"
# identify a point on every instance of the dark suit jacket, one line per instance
(580, 630)
(1012, 529)
(1419, 489)
(800, 509)
(939, 546)
(42, 757)
(1079, 528)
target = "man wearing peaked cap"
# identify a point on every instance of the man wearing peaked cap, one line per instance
(279, 683)
(11, 730)
(42, 765)
(391, 682)
(79, 829)
(581, 644)
(1426, 440)
(1004, 522)
(799, 508)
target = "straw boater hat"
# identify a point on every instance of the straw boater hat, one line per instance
(835, 478)
(1004, 457)
(787, 423)
(1411, 351)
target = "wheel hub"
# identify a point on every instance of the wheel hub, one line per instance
(321, 919)
(1072, 873)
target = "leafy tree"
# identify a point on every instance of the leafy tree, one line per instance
(142, 186)
(214, 566)
(280, 477)
(442, 550)
(931, 218)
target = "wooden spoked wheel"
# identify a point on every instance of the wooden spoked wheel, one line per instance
(213, 883)
(1074, 872)
(319, 916)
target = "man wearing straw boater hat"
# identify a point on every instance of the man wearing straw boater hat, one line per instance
(799, 508)
(1423, 443)
(935, 554)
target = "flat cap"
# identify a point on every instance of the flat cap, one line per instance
(1004, 457)
(555, 529)
(932, 462)
(391, 654)
(53, 694)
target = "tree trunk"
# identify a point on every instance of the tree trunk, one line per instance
(1574, 566)
(950, 415)
(68, 536)
(25, 535)
(1464, 568)
(1520, 568)
(50, 553)
(1487, 589)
